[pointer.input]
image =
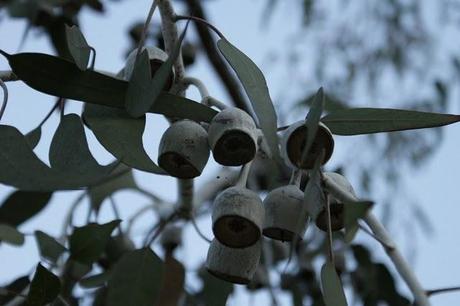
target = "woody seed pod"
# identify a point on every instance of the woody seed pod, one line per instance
(156, 56)
(184, 150)
(237, 217)
(282, 208)
(336, 206)
(233, 265)
(294, 140)
(233, 137)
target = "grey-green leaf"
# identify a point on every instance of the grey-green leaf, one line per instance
(11, 235)
(331, 286)
(312, 121)
(256, 88)
(121, 135)
(215, 291)
(353, 212)
(48, 246)
(97, 280)
(44, 288)
(356, 121)
(20, 206)
(33, 137)
(143, 90)
(88, 242)
(78, 47)
(136, 279)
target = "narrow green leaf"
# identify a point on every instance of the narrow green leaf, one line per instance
(44, 288)
(332, 287)
(88, 242)
(18, 285)
(69, 151)
(143, 91)
(11, 235)
(62, 78)
(136, 279)
(312, 121)
(215, 291)
(20, 206)
(121, 135)
(97, 280)
(355, 211)
(256, 88)
(48, 246)
(172, 286)
(99, 193)
(331, 104)
(78, 47)
(33, 137)
(356, 121)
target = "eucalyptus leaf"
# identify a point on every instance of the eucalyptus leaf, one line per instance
(215, 291)
(88, 242)
(95, 281)
(18, 285)
(48, 246)
(312, 121)
(62, 78)
(20, 206)
(255, 85)
(356, 121)
(44, 288)
(172, 286)
(354, 211)
(136, 279)
(78, 47)
(11, 235)
(332, 287)
(121, 135)
(33, 137)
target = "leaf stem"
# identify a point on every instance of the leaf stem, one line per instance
(243, 177)
(8, 76)
(442, 290)
(202, 21)
(329, 230)
(5, 98)
(198, 231)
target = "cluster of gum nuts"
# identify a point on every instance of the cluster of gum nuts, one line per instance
(239, 217)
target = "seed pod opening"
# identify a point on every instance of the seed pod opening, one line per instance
(294, 141)
(233, 137)
(156, 58)
(282, 208)
(336, 206)
(233, 265)
(237, 217)
(184, 149)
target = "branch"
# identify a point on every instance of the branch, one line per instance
(220, 66)
(401, 265)
(8, 76)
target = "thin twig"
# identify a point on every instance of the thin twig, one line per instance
(160, 226)
(442, 290)
(329, 230)
(55, 106)
(243, 177)
(198, 231)
(202, 21)
(204, 93)
(93, 60)
(367, 231)
(5, 98)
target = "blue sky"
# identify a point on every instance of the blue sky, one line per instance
(435, 185)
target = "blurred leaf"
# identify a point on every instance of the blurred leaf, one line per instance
(97, 280)
(255, 85)
(20, 206)
(88, 242)
(331, 104)
(215, 292)
(136, 279)
(173, 282)
(48, 246)
(78, 47)
(332, 287)
(355, 121)
(18, 285)
(44, 288)
(312, 121)
(99, 193)
(143, 90)
(62, 78)
(423, 220)
(121, 135)
(11, 235)
(33, 137)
